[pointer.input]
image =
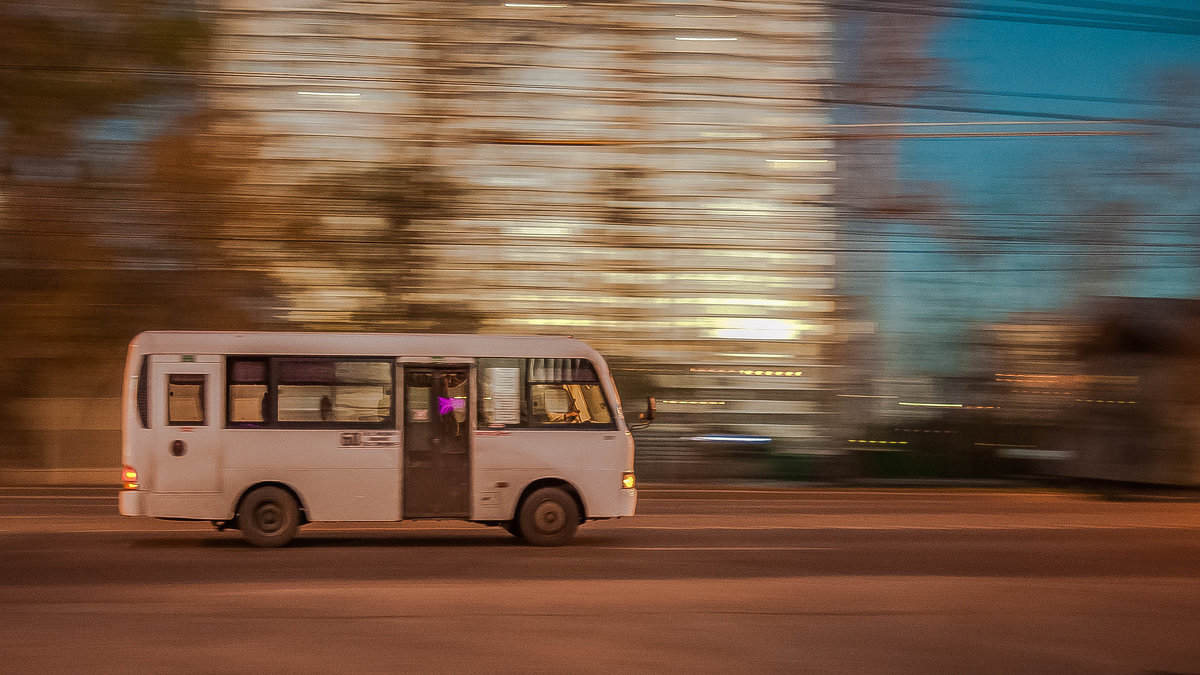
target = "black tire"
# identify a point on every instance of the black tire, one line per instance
(548, 517)
(269, 517)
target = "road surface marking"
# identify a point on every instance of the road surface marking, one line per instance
(46, 515)
(204, 527)
(907, 527)
(879, 492)
(112, 498)
(716, 548)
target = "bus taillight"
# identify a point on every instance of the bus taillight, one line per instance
(627, 480)
(129, 478)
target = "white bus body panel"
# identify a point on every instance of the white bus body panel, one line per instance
(516, 458)
(197, 469)
(333, 482)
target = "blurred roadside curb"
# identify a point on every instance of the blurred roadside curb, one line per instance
(107, 477)
(785, 485)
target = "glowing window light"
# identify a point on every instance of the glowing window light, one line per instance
(343, 94)
(932, 405)
(704, 301)
(744, 371)
(791, 163)
(546, 230)
(729, 134)
(757, 329)
(748, 208)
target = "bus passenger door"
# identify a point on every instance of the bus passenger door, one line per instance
(185, 412)
(437, 420)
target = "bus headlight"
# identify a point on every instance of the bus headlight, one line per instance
(627, 480)
(129, 478)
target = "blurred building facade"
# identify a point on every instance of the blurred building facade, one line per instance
(651, 177)
(1028, 365)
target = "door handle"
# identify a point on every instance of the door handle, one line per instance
(178, 448)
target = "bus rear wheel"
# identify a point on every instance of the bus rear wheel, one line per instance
(548, 517)
(269, 517)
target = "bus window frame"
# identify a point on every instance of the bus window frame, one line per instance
(611, 425)
(271, 396)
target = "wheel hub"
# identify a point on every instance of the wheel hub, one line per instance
(549, 517)
(269, 517)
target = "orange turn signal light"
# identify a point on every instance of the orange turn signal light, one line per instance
(129, 478)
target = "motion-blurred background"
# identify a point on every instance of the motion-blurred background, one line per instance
(836, 239)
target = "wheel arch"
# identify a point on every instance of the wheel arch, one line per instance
(565, 485)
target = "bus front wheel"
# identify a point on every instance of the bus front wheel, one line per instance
(269, 517)
(548, 517)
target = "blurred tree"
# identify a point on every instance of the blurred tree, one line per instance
(395, 260)
(104, 231)
(1169, 159)
(884, 64)
(1132, 200)
(66, 61)
(884, 68)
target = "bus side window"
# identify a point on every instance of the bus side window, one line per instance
(501, 392)
(185, 400)
(309, 392)
(316, 391)
(247, 392)
(566, 392)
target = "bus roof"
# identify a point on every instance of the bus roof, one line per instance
(360, 344)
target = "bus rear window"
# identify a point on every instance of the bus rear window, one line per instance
(143, 393)
(185, 399)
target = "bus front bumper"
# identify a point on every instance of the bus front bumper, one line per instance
(132, 502)
(628, 502)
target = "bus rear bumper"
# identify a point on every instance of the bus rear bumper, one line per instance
(628, 502)
(132, 502)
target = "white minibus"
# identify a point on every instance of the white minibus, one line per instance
(265, 432)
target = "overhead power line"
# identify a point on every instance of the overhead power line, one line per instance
(491, 87)
(939, 89)
(1123, 7)
(1176, 25)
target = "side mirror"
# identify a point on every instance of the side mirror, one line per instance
(651, 409)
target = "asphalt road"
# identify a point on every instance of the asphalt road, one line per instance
(703, 580)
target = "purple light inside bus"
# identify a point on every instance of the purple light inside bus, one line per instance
(449, 405)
